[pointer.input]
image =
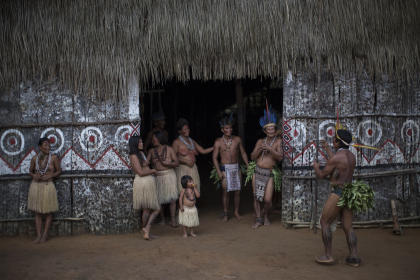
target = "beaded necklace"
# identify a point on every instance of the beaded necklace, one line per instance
(190, 146)
(162, 156)
(227, 143)
(37, 165)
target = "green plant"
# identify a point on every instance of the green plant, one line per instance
(357, 196)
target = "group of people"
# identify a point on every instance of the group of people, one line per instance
(167, 174)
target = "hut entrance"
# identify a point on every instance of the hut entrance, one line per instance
(202, 104)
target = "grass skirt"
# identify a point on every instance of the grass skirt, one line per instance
(166, 186)
(189, 217)
(42, 197)
(145, 193)
(182, 170)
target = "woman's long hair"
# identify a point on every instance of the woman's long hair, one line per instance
(133, 147)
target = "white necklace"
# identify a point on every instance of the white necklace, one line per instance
(271, 144)
(190, 146)
(227, 143)
(37, 165)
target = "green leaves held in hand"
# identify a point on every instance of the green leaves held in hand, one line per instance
(357, 196)
(215, 177)
(250, 171)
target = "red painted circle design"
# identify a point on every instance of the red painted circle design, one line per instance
(330, 132)
(12, 141)
(370, 132)
(126, 136)
(92, 139)
(52, 140)
(409, 132)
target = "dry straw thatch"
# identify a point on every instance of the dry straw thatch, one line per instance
(94, 46)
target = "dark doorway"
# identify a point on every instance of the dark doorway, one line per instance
(203, 103)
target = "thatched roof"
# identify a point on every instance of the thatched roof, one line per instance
(94, 46)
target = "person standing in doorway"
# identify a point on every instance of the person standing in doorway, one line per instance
(164, 160)
(267, 152)
(159, 122)
(228, 147)
(186, 150)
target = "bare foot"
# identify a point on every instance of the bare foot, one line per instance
(37, 240)
(237, 216)
(43, 239)
(325, 260)
(267, 221)
(258, 223)
(145, 233)
(353, 261)
(225, 217)
(193, 234)
(185, 235)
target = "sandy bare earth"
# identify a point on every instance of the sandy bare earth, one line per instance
(221, 251)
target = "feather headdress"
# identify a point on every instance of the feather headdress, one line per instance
(269, 118)
(226, 120)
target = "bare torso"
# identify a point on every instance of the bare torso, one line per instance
(46, 168)
(189, 197)
(160, 155)
(228, 149)
(184, 154)
(344, 164)
(265, 158)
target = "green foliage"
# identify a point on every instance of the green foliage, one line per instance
(277, 178)
(357, 196)
(214, 177)
(250, 171)
(276, 172)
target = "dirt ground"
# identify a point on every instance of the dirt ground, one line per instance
(221, 251)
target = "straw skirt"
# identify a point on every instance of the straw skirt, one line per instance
(42, 197)
(166, 186)
(189, 217)
(182, 170)
(145, 193)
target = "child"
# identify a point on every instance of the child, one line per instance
(188, 215)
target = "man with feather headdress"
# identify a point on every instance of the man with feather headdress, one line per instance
(267, 152)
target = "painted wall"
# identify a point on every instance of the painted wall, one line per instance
(90, 137)
(384, 114)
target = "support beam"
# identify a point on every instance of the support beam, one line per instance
(241, 110)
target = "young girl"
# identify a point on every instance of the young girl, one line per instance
(188, 215)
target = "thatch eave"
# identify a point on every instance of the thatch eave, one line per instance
(95, 46)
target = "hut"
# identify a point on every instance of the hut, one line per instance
(76, 72)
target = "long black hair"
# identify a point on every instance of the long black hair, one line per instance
(343, 135)
(42, 140)
(180, 124)
(133, 147)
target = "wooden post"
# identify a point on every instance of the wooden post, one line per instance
(240, 103)
(396, 229)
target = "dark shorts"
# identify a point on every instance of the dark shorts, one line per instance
(337, 190)
(222, 168)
